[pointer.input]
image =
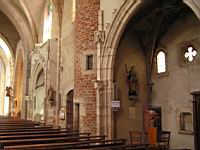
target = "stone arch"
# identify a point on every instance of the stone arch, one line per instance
(19, 83)
(7, 59)
(20, 21)
(107, 57)
(194, 6)
(116, 29)
(22, 24)
(21, 71)
(30, 19)
(2, 83)
(114, 33)
(39, 93)
(35, 72)
(7, 43)
(56, 21)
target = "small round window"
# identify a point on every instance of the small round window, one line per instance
(190, 53)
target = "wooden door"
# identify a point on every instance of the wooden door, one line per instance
(196, 120)
(69, 110)
(76, 116)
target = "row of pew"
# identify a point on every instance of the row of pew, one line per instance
(28, 135)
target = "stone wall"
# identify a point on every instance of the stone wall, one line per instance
(130, 115)
(86, 23)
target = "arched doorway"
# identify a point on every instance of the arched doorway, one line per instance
(39, 96)
(69, 110)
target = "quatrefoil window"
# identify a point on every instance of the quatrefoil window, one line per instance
(190, 53)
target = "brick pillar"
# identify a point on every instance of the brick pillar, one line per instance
(86, 23)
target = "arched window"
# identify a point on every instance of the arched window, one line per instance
(73, 10)
(161, 62)
(47, 22)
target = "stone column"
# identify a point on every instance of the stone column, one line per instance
(100, 106)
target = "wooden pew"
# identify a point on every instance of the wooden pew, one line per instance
(46, 135)
(92, 143)
(41, 131)
(44, 128)
(13, 122)
(49, 140)
(19, 123)
(127, 147)
(24, 128)
(22, 134)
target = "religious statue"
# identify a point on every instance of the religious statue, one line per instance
(132, 82)
(50, 94)
(8, 91)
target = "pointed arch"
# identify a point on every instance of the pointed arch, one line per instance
(194, 6)
(39, 95)
(6, 75)
(107, 55)
(30, 19)
(115, 31)
(47, 24)
(38, 86)
(20, 21)
(19, 83)
(2, 85)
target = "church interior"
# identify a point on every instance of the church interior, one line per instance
(105, 67)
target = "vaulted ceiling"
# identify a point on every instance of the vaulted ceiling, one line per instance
(154, 19)
(20, 19)
(8, 31)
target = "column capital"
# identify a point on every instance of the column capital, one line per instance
(99, 36)
(100, 85)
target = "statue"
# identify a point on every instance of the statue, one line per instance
(50, 94)
(132, 82)
(8, 91)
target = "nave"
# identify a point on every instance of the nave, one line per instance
(105, 67)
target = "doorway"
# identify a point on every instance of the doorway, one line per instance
(69, 110)
(76, 116)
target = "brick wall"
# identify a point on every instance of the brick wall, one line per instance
(86, 23)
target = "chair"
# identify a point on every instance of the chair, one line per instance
(163, 140)
(135, 137)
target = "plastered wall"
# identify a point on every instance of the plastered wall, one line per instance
(172, 92)
(129, 116)
(67, 54)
